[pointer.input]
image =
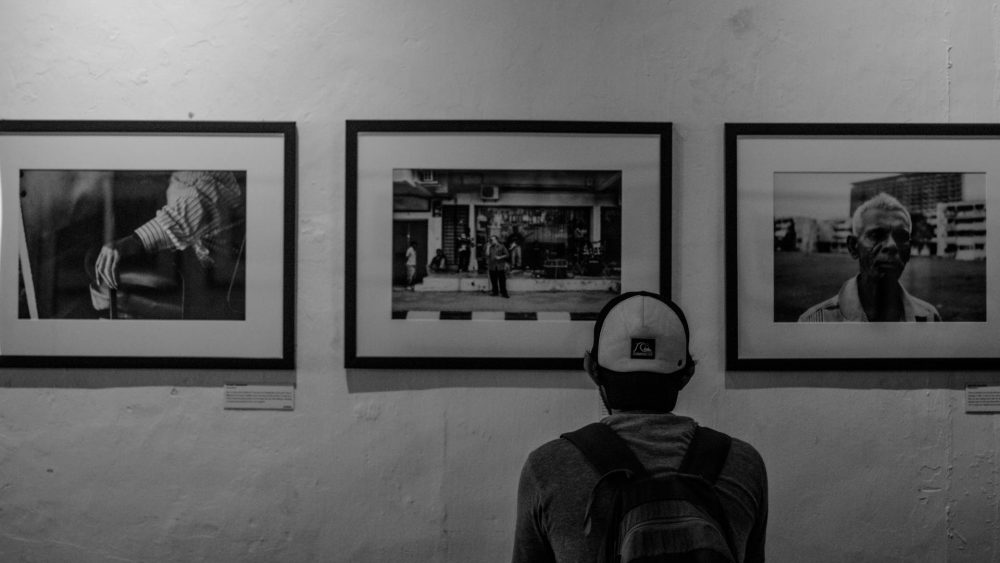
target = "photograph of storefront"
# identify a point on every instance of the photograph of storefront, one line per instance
(560, 231)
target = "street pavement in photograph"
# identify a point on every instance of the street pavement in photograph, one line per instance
(519, 302)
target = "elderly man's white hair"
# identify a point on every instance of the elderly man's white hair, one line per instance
(881, 200)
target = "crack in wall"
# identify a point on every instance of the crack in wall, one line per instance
(443, 538)
(947, 81)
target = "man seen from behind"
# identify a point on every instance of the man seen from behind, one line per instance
(639, 361)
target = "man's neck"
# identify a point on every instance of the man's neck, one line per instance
(640, 411)
(881, 298)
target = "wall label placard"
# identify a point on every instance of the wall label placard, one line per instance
(982, 398)
(259, 397)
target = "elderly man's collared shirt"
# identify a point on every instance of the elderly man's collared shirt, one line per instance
(846, 307)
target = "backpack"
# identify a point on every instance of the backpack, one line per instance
(675, 517)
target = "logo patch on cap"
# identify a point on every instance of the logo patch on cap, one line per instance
(643, 348)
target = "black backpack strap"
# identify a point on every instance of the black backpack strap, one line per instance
(606, 451)
(613, 460)
(706, 454)
(705, 457)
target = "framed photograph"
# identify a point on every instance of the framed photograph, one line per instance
(147, 244)
(862, 246)
(494, 244)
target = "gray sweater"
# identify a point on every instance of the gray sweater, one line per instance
(556, 483)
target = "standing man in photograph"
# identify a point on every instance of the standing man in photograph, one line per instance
(411, 265)
(566, 497)
(464, 250)
(880, 242)
(497, 263)
(514, 241)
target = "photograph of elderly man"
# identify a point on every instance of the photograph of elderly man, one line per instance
(880, 242)
(879, 247)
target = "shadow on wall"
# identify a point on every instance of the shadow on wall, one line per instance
(374, 380)
(118, 377)
(858, 379)
(358, 380)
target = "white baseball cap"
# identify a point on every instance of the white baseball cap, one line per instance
(642, 332)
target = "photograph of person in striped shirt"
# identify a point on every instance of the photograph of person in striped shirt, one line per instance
(204, 212)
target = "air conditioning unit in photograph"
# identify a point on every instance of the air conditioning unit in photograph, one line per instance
(489, 193)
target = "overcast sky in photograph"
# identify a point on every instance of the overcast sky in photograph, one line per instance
(827, 195)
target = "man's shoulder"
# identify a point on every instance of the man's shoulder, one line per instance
(746, 454)
(744, 472)
(743, 450)
(554, 447)
(556, 451)
(559, 451)
(556, 463)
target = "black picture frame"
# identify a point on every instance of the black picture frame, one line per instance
(76, 185)
(384, 153)
(790, 192)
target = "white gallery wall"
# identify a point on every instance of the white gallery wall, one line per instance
(145, 465)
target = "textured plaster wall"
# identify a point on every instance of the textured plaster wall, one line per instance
(127, 465)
